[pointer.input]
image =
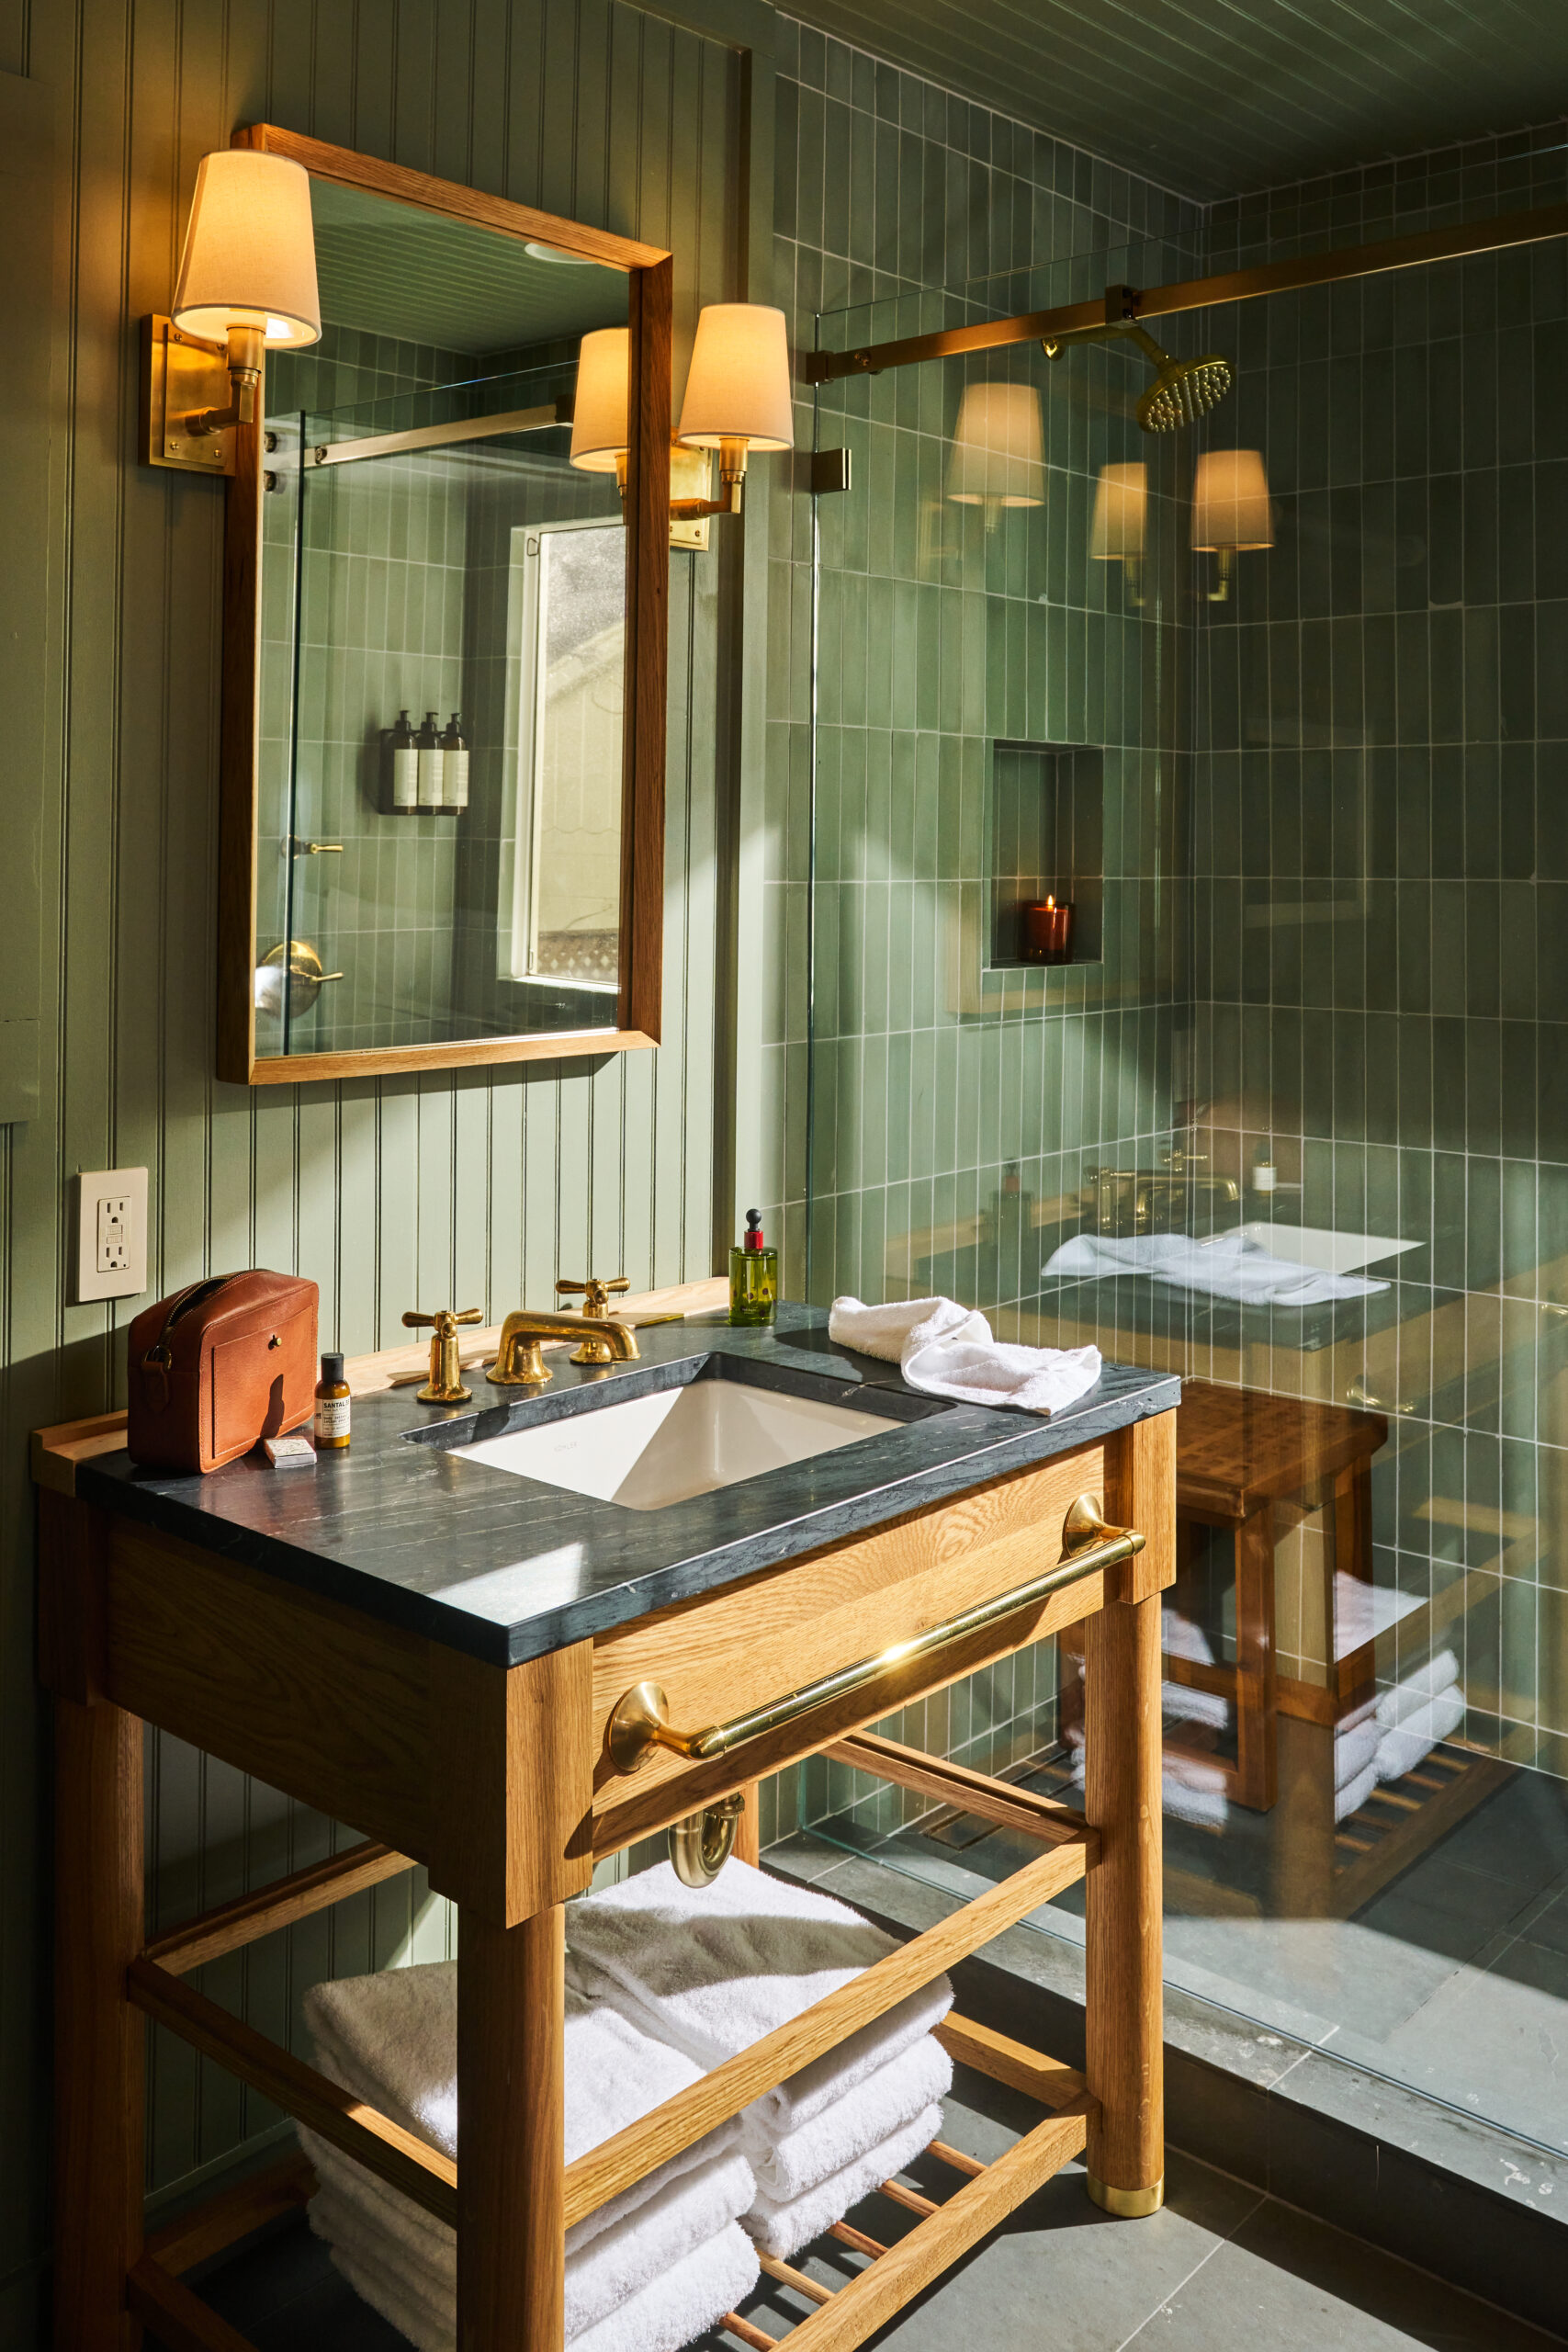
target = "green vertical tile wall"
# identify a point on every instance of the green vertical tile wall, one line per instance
(451, 1189)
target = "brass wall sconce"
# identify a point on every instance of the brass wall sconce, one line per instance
(998, 451)
(1120, 522)
(247, 283)
(1231, 513)
(738, 400)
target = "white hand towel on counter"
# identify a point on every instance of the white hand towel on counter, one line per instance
(1439, 1673)
(782, 2230)
(714, 1970)
(391, 2039)
(790, 2165)
(673, 2307)
(950, 1351)
(1400, 1751)
(377, 2225)
(1228, 1265)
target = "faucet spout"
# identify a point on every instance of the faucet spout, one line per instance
(519, 1362)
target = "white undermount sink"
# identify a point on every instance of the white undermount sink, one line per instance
(664, 1448)
(1321, 1246)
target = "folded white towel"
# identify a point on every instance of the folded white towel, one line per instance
(1179, 1637)
(950, 1351)
(1439, 1673)
(782, 2230)
(1402, 1751)
(353, 2209)
(391, 2039)
(790, 2165)
(674, 2306)
(1191, 1788)
(1179, 1703)
(1354, 1794)
(1362, 1612)
(714, 1970)
(1229, 1265)
(1353, 1748)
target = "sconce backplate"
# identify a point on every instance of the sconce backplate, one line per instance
(179, 374)
(690, 476)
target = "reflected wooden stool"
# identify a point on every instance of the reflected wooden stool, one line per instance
(1239, 1452)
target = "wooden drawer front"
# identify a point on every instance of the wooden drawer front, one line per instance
(728, 1651)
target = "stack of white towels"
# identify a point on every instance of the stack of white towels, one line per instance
(663, 1984)
(1389, 1735)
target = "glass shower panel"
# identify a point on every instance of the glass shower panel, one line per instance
(1297, 1131)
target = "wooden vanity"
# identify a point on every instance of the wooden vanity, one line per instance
(494, 1773)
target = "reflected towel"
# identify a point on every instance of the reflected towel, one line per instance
(950, 1351)
(713, 1970)
(1401, 1751)
(1406, 1697)
(1231, 1265)
(1355, 1747)
(1354, 1793)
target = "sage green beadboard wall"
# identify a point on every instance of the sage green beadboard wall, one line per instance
(471, 1189)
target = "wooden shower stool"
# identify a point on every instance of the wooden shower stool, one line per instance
(498, 1781)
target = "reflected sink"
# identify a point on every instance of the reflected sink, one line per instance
(676, 1443)
(1321, 1246)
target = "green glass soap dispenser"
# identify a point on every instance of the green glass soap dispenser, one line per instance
(753, 1275)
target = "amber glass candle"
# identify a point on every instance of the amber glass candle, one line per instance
(1045, 931)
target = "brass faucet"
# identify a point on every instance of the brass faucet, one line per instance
(445, 1385)
(519, 1362)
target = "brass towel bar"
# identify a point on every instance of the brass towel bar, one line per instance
(640, 1722)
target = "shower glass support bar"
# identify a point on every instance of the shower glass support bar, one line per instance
(1198, 293)
(440, 436)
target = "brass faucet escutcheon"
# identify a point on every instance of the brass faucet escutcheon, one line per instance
(519, 1362)
(445, 1385)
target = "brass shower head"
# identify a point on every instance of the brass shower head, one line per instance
(1182, 391)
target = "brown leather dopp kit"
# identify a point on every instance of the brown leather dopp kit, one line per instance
(219, 1366)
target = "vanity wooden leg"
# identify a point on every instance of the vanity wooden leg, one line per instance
(99, 2090)
(1121, 1896)
(511, 2134)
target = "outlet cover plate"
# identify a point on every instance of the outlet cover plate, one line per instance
(111, 1234)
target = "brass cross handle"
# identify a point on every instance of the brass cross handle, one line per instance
(595, 1293)
(445, 1385)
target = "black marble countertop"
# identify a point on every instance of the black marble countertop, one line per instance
(509, 1568)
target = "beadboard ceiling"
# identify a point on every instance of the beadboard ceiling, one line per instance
(1213, 98)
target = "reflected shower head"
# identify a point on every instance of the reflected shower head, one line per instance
(1182, 391)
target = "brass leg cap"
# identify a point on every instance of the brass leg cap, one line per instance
(1127, 2204)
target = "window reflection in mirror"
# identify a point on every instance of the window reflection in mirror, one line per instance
(428, 551)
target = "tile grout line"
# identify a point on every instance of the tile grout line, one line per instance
(1223, 2238)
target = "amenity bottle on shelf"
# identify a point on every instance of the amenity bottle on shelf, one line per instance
(454, 765)
(430, 763)
(405, 765)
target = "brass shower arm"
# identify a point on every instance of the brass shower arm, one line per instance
(1053, 345)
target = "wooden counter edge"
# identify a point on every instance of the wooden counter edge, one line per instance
(55, 1451)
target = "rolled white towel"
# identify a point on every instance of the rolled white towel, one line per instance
(391, 2039)
(1354, 1750)
(1402, 1749)
(673, 2307)
(790, 2165)
(1354, 1793)
(950, 1350)
(782, 2230)
(714, 1970)
(1439, 1673)
(377, 2224)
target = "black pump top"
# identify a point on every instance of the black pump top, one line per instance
(752, 1238)
(331, 1371)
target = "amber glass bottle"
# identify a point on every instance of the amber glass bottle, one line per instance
(332, 1407)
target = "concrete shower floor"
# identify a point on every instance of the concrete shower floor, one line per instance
(1452, 1980)
(1222, 2267)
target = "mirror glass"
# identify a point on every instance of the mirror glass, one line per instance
(443, 600)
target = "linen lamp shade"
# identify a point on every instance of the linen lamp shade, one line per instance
(250, 251)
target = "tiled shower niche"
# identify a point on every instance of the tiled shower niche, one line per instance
(1045, 836)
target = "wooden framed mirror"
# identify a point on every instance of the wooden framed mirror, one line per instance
(407, 534)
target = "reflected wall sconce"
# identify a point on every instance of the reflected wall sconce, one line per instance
(998, 450)
(1120, 522)
(1231, 513)
(247, 283)
(738, 400)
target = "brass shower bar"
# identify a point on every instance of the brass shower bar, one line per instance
(1198, 293)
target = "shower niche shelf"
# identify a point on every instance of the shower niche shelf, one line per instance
(1045, 836)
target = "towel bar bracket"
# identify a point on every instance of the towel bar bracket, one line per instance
(640, 1720)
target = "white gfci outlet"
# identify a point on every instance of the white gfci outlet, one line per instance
(111, 1237)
